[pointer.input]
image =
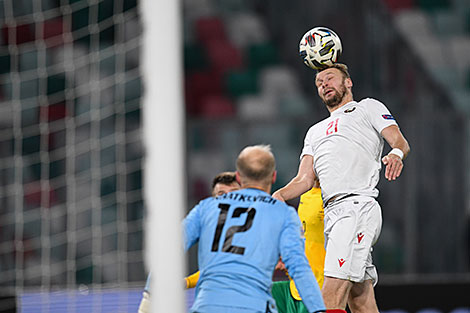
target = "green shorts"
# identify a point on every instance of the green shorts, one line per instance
(284, 301)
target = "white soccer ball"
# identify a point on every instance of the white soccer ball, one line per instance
(320, 47)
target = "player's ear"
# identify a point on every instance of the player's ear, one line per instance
(274, 176)
(348, 82)
(237, 177)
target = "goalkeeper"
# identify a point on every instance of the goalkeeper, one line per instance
(285, 293)
(236, 275)
(223, 183)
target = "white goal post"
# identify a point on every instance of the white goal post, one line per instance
(164, 187)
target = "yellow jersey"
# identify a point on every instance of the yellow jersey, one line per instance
(311, 215)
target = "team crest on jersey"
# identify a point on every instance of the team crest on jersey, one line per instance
(349, 110)
(388, 116)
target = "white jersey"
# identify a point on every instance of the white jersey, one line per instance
(347, 148)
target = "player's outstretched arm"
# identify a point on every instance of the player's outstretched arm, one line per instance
(301, 183)
(393, 161)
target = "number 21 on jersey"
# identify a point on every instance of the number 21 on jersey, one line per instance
(332, 127)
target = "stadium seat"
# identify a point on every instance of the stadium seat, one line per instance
(467, 79)
(232, 6)
(53, 28)
(196, 9)
(24, 33)
(217, 106)
(5, 63)
(446, 77)
(461, 99)
(262, 54)
(431, 5)
(210, 29)
(431, 51)
(277, 81)
(199, 85)
(447, 22)
(80, 19)
(459, 47)
(293, 105)
(286, 155)
(467, 22)
(224, 56)
(413, 23)
(195, 57)
(242, 82)
(397, 5)
(278, 132)
(256, 107)
(245, 29)
(206, 163)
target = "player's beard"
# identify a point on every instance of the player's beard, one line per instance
(337, 98)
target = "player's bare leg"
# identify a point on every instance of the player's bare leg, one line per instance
(362, 298)
(335, 292)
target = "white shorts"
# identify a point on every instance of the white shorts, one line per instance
(352, 226)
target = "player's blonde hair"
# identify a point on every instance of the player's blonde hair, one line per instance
(343, 68)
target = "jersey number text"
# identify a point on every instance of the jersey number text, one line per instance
(227, 246)
(332, 127)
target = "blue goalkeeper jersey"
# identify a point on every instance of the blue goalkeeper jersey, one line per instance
(241, 236)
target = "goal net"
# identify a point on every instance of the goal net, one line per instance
(71, 203)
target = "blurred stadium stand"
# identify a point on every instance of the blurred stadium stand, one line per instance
(412, 55)
(70, 90)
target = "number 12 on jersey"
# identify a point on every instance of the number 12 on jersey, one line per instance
(332, 127)
(227, 246)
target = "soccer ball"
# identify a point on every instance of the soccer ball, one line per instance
(320, 47)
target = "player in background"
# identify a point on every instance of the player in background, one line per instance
(241, 236)
(311, 214)
(222, 183)
(344, 152)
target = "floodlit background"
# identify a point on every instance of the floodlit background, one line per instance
(71, 145)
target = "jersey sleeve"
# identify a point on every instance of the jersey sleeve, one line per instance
(379, 116)
(308, 147)
(192, 226)
(293, 256)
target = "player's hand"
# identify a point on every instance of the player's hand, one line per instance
(277, 195)
(393, 166)
(281, 266)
